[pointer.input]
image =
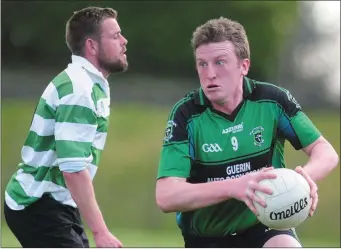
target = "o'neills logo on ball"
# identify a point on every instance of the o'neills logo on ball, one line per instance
(294, 209)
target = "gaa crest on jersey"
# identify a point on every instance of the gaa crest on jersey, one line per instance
(169, 130)
(257, 135)
(103, 109)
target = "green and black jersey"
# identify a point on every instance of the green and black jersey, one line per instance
(203, 145)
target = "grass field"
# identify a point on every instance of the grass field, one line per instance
(139, 238)
(128, 170)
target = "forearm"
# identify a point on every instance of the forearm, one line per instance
(183, 196)
(82, 191)
(322, 160)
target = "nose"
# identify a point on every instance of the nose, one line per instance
(124, 40)
(211, 75)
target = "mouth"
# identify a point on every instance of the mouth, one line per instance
(213, 86)
(123, 54)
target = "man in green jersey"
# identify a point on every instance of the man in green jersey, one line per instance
(53, 183)
(223, 138)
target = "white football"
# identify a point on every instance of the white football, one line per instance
(290, 203)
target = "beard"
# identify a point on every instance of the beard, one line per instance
(112, 66)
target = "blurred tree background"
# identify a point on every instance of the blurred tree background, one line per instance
(291, 46)
(158, 32)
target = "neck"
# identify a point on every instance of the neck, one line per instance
(231, 103)
(95, 63)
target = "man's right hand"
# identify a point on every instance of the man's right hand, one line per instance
(249, 183)
(106, 239)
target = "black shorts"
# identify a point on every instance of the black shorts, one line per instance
(254, 237)
(47, 223)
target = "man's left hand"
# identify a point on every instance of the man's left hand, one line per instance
(313, 189)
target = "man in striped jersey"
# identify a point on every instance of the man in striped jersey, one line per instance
(53, 184)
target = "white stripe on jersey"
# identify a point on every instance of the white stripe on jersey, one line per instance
(37, 159)
(64, 197)
(35, 188)
(99, 141)
(12, 203)
(83, 101)
(41, 126)
(81, 82)
(92, 170)
(51, 96)
(75, 132)
(76, 159)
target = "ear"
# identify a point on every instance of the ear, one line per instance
(244, 67)
(91, 46)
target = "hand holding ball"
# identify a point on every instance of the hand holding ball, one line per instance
(290, 203)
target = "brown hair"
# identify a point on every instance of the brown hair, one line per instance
(222, 29)
(85, 23)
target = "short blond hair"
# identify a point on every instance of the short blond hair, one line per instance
(222, 29)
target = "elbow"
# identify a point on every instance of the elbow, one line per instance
(167, 195)
(335, 160)
(163, 203)
(164, 208)
(332, 158)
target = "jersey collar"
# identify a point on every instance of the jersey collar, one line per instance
(201, 99)
(94, 73)
(87, 65)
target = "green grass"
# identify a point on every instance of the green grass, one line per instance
(125, 182)
(139, 238)
(129, 238)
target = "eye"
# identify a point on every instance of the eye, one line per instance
(202, 64)
(220, 62)
(116, 35)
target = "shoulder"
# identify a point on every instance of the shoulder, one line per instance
(72, 81)
(268, 92)
(69, 87)
(187, 106)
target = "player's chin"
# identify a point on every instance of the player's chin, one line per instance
(123, 58)
(124, 64)
(123, 61)
(216, 98)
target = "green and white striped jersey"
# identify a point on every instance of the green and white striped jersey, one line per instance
(67, 133)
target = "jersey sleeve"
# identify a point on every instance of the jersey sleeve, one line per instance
(75, 129)
(175, 159)
(294, 125)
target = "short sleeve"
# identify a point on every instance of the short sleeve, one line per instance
(294, 125)
(175, 159)
(75, 130)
